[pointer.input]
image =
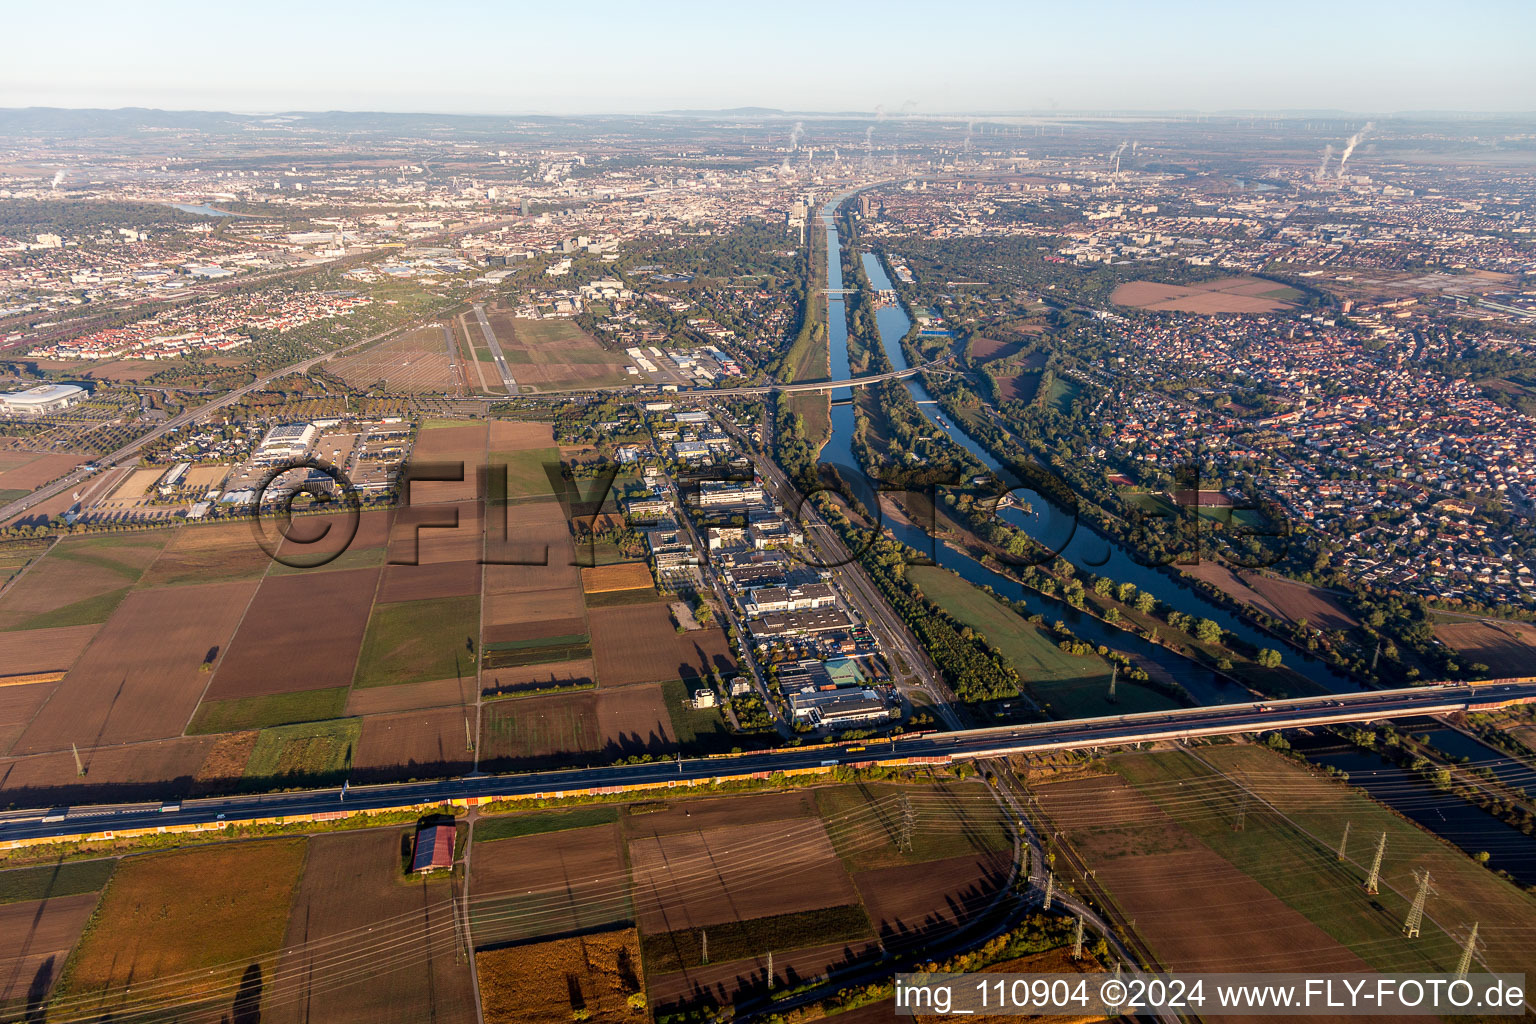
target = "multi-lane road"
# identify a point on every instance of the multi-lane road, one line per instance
(967, 744)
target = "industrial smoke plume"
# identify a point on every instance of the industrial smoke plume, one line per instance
(58, 178)
(1322, 168)
(794, 135)
(1116, 155)
(1349, 147)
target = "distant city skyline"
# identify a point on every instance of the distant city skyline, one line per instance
(619, 58)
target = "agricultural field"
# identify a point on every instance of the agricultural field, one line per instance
(144, 673)
(592, 978)
(80, 581)
(579, 728)
(210, 917)
(617, 576)
(43, 911)
(417, 641)
(417, 362)
(1224, 295)
(366, 944)
(1068, 685)
(22, 472)
(1275, 886)
(301, 632)
(1507, 648)
(640, 644)
(556, 883)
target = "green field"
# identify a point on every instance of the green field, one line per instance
(517, 653)
(526, 476)
(955, 820)
(737, 940)
(1292, 853)
(694, 726)
(68, 878)
(1068, 686)
(417, 641)
(266, 711)
(314, 752)
(488, 830)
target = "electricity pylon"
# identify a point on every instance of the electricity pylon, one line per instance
(1416, 912)
(908, 819)
(1373, 880)
(1467, 952)
(1050, 889)
(1077, 940)
(703, 946)
(1344, 842)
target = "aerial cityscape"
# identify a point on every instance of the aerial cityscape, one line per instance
(702, 545)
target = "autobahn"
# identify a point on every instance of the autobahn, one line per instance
(43, 824)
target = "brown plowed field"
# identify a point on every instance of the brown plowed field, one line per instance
(911, 903)
(638, 644)
(80, 579)
(1507, 648)
(983, 349)
(17, 706)
(205, 554)
(722, 983)
(1297, 601)
(514, 436)
(620, 576)
(534, 553)
(1226, 295)
(35, 939)
(414, 745)
(383, 700)
(695, 879)
(31, 470)
(565, 727)
(548, 982)
(43, 650)
(301, 633)
(142, 677)
(532, 614)
(421, 582)
(137, 771)
(717, 812)
(533, 677)
(550, 884)
(352, 882)
(309, 537)
(428, 534)
(1217, 903)
(454, 445)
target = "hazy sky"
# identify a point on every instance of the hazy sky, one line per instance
(600, 56)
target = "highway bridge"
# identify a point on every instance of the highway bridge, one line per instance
(41, 825)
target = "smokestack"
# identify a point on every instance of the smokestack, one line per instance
(794, 136)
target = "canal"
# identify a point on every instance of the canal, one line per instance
(1078, 543)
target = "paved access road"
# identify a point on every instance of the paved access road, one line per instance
(969, 744)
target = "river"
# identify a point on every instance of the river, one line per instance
(1078, 542)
